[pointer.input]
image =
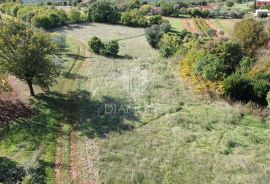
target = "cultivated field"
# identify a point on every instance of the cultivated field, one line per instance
(199, 25)
(226, 25)
(133, 120)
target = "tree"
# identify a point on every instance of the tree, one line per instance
(168, 45)
(155, 19)
(28, 54)
(251, 35)
(230, 4)
(103, 12)
(110, 49)
(134, 4)
(229, 53)
(134, 18)
(154, 34)
(209, 67)
(74, 15)
(166, 8)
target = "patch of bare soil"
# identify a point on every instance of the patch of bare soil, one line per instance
(11, 109)
(74, 170)
(13, 104)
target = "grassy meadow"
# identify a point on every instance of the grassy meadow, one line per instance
(131, 120)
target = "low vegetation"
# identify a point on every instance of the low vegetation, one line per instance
(126, 97)
(109, 49)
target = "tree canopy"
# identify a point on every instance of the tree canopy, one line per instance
(28, 53)
(251, 35)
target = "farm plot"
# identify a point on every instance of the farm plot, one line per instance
(189, 25)
(202, 25)
(225, 25)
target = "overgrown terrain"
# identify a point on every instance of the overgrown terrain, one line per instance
(120, 111)
(142, 125)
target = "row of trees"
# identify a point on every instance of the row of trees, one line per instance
(49, 17)
(106, 12)
(43, 16)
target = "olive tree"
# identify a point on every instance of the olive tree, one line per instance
(28, 54)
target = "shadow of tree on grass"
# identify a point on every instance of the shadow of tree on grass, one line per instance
(93, 118)
(74, 76)
(10, 172)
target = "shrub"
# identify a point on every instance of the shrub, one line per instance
(74, 16)
(134, 4)
(230, 4)
(14, 9)
(155, 32)
(268, 99)
(260, 90)
(54, 19)
(145, 9)
(156, 19)
(110, 49)
(230, 55)
(42, 22)
(26, 13)
(245, 65)
(6, 7)
(96, 45)
(212, 32)
(153, 35)
(210, 67)
(238, 87)
(168, 46)
(165, 27)
(251, 35)
(166, 8)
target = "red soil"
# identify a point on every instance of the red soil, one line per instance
(13, 104)
(189, 25)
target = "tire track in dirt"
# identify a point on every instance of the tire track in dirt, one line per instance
(57, 163)
(84, 166)
(59, 146)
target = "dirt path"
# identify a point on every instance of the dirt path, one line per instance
(83, 149)
(81, 168)
(64, 86)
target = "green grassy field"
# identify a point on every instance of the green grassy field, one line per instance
(243, 6)
(133, 120)
(227, 25)
(175, 23)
